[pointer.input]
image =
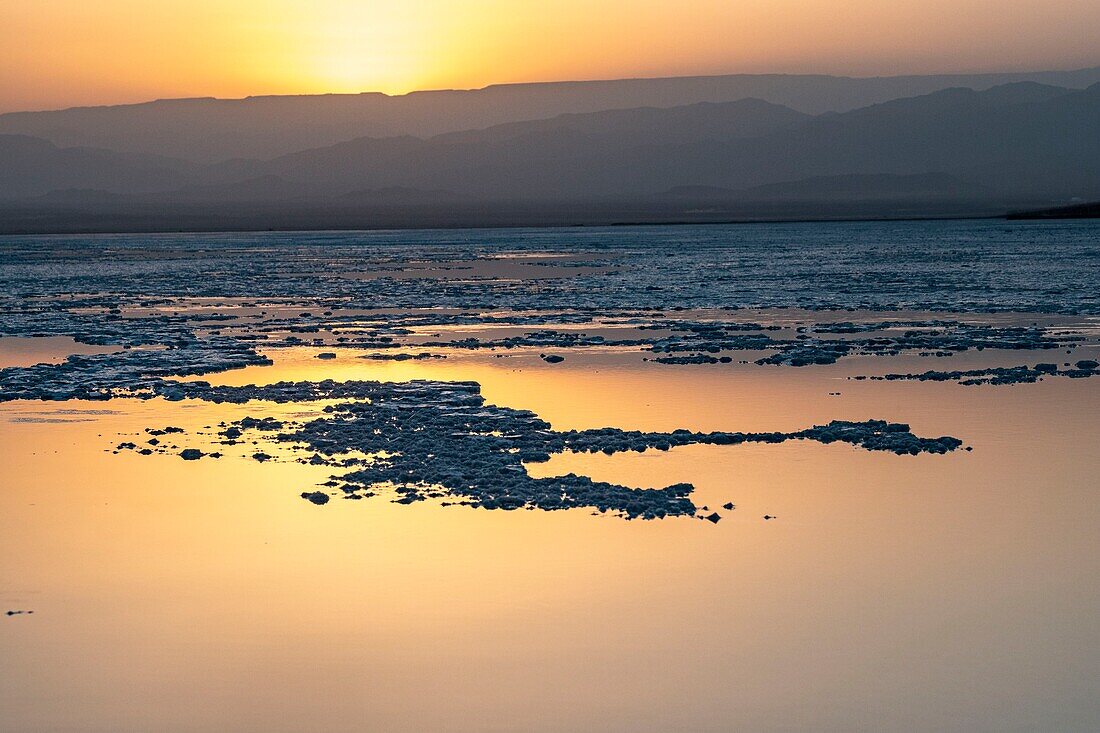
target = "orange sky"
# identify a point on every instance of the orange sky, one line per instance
(57, 53)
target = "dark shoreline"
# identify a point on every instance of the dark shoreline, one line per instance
(219, 227)
(1090, 210)
(298, 216)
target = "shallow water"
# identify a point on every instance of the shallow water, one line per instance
(22, 352)
(890, 593)
(190, 596)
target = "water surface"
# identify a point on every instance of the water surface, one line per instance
(890, 593)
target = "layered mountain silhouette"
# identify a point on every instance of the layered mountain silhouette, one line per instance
(32, 166)
(210, 130)
(953, 151)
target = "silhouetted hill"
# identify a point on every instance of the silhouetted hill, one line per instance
(1090, 210)
(623, 128)
(529, 159)
(211, 130)
(959, 151)
(32, 167)
(1020, 140)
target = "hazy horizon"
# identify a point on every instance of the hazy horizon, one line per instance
(549, 82)
(62, 54)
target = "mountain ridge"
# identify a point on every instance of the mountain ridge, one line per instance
(207, 129)
(1015, 146)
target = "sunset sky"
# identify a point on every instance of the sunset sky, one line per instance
(59, 53)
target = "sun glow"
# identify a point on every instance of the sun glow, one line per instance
(63, 52)
(353, 47)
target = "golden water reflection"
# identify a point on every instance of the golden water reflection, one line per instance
(951, 592)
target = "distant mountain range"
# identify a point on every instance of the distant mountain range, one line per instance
(210, 130)
(951, 151)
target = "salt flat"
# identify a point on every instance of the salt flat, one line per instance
(946, 553)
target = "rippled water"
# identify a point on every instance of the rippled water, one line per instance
(948, 265)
